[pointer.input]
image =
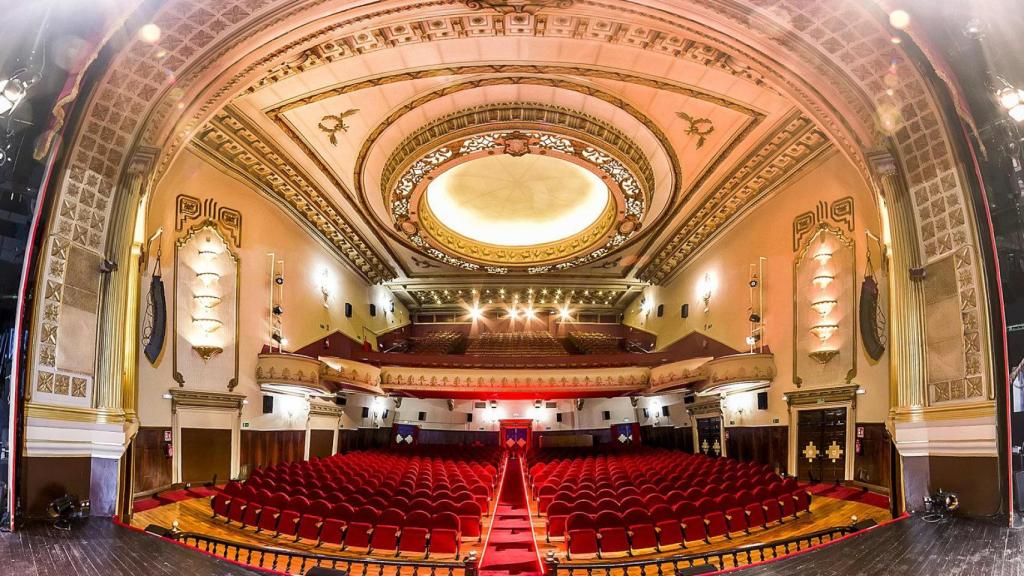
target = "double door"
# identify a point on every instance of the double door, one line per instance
(821, 445)
(709, 436)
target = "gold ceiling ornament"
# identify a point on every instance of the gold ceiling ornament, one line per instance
(699, 127)
(407, 188)
(518, 6)
(331, 124)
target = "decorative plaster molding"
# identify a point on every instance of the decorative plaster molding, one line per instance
(778, 156)
(808, 396)
(189, 398)
(281, 368)
(231, 142)
(321, 409)
(613, 381)
(706, 408)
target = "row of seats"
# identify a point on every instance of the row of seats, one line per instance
(595, 343)
(440, 342)
(323, 499)
(540, 343)
(614, 503)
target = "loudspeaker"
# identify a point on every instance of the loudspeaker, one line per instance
(469, 416)
(558, 417)
(606, 415)
(705, 569)
(664, 410)
(373, 310)
(422, 416)
(321, 571)
(661, 310)
(684, 311)
(647, 413)
(762, 400)
(348, 309)
(340, 400)
(268, 404)
(366, 412)
(689, 399)
(384, 416)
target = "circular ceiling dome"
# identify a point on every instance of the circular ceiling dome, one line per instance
(506, 200)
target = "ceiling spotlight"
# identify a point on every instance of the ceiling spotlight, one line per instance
(279, 280)
(538, 403)
(564, 313)
(277, 310)
(494, 403)
(475, 313)
(276, 337)
(1017, 113)
(753, 282)
(755, 318)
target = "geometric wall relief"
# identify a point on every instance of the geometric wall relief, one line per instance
(205, 299)
(952, 354)
(825, 295)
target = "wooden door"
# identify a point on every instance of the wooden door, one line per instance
(821, 445)
(205, 454)
(709, 436)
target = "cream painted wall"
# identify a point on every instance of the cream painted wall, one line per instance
(265, 228)
(767, 232)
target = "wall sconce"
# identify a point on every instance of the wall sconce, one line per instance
(823, 281)
(824, 331)
(206, 300)
(823, 356)
(824, 307)
(208, 325)
(208, 277)
(706, 288)
(646, 305)
(325, 291)
(823, 257)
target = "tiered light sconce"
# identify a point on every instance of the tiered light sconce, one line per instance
(824, 329)
(206, 296)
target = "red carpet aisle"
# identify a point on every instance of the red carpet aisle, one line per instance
(510, 547)
(848, 493)
(172, 496)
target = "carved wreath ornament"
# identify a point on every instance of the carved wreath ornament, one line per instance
(334, 123)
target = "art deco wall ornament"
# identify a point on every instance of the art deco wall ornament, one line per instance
(518, 6)
(699, 127)
(331, 124)
(515, 144)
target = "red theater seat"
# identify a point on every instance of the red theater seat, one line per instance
(469, 519)
(803, 500)
(611, 533)
(694, 529)
(221, 501)
(558, 513)
(386, 531)
(670, 532)
(716, 524)
(255, 508)
(580, 535)
(333, 531)
(444, 534)
(288, 523)
(642, 535)
(313, 520)
(360, 528)
(415, 533)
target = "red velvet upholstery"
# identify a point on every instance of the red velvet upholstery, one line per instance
(386, 531)
(736, 520)
(803, 500)
(580, 534)
(360, 528)
(694, 529)
(444, 534)
(611, 533)
(288, 523)
(415, 532)
(642, 535)
(271, 513)
(716, 526)
(313, 520)
(772, 510)
(333, 531)
(558, 513)
(469, 519)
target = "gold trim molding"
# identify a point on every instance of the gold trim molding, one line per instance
(74, 413)
(812, 396)
(182, 398)
(953, 411)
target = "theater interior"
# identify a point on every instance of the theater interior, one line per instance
(511, 287)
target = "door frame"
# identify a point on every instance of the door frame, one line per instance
(820, 399)
(214, 404)
(704, 411)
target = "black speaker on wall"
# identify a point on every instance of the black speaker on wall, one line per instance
(469, 416)
(558, 418)
(340, 400)
(268, 404)
(762, 400)
(684, 311)
(373, 310)
(348, 309)
(606, 415)
(661, 310)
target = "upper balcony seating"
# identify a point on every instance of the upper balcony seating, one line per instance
(516, 344)
(445, 342)
(595, 343)
(374, 501)
(652, 499)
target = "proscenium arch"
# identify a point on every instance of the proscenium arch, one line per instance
(149, 133)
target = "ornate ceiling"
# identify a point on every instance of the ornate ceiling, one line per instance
(381, 136)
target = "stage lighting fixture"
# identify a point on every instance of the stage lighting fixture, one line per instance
(755, 318)
(941, 503)
(494, 403)
(277, 310)
(276, 337)
(65, 509)
(538, 403)
(279, 280)
(753, 282)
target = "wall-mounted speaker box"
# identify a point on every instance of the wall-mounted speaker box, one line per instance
(762, 400)
(558, 417)
(689, 399)
(422, 416)
(661, 310)
(268, 404)
(684, 311)
(647, 414)
(664, 410)
(606, 415)
(373, 310)
(366, 412)
(348, 309)
(384, 416)
(340, 400)
(469, 416)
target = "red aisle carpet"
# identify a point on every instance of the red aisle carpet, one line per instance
(510, 547)
(848, 493)
(172, 496)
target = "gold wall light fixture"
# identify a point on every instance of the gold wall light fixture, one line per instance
(824, 331)
(824, 307)
(823, 281)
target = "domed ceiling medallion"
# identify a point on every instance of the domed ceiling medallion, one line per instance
(517, 201)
